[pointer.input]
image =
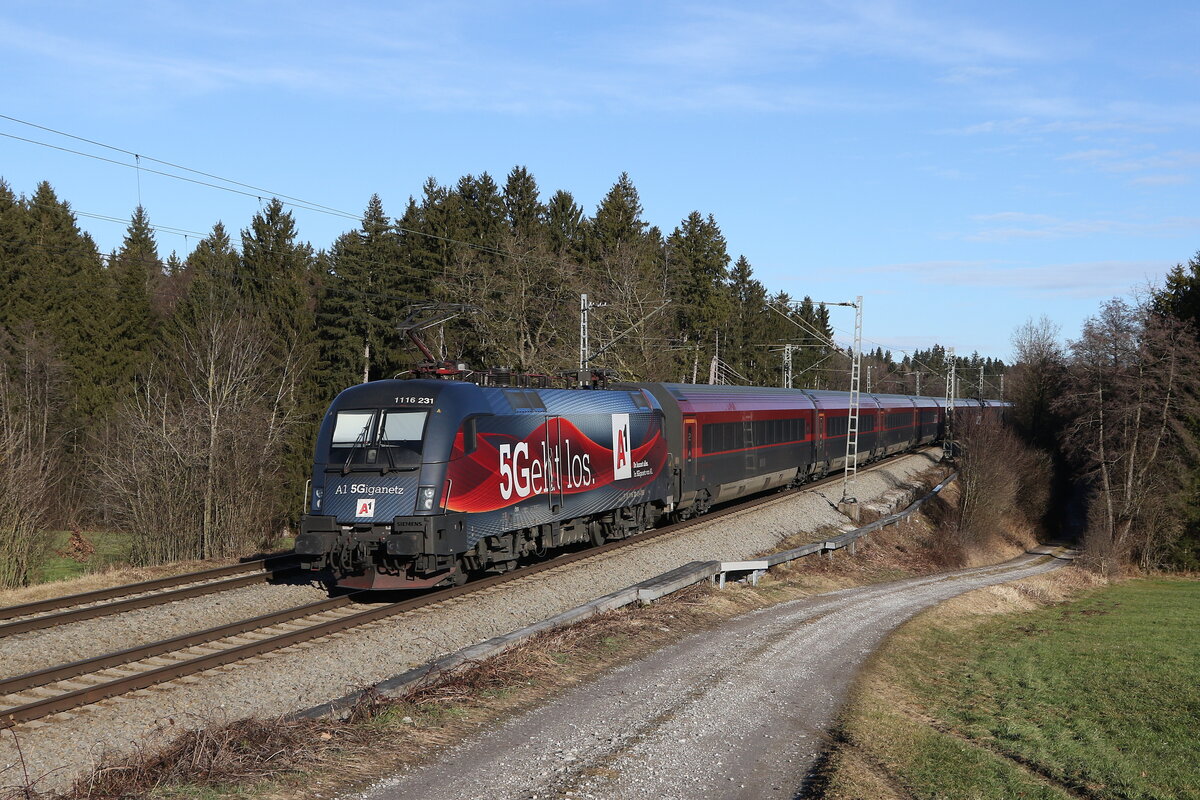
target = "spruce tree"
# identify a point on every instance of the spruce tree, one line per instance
(360, 303)
(698, 276)
(276, 274)
(14, 259)
(524, 211)
(566, 227)
(275, 279)
(134, 269)
(618, 220)
(71, 298)
(749, 326)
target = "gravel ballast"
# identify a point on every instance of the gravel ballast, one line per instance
(26, 652)
(309, 674)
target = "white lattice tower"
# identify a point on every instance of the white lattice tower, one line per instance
(951, 388)
(851, 468)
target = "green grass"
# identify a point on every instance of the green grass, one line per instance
(1098, 698)
(111, 548)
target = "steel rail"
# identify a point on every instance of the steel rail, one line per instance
(123, 685)
(66, 601)
(50, 675)
(260, 575)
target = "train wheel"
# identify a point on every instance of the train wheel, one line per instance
(459, 576)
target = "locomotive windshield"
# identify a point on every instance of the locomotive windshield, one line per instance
(402, 428)
(352, 427)
(373, 439)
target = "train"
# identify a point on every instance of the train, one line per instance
(424, 482)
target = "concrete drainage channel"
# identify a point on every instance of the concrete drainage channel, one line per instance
(716, 572)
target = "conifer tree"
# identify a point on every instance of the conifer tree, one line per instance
(275, 280)
(14, 259)
(134, 269)
(360, 303)
(276, 273)
(523, 210)
(624, 269)
(566, 226)
(698, 275)
(71, 299)
(749, 326)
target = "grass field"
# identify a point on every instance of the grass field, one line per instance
(1096, 698)
(111, 548)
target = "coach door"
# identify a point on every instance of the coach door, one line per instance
(554, 476)
(819, 440)
(691, 447)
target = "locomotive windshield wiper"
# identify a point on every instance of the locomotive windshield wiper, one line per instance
(359, 442)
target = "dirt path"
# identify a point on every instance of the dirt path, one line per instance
(737, 712)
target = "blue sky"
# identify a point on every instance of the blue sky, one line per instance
(962, 165)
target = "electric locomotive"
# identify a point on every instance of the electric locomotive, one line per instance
(419, 482)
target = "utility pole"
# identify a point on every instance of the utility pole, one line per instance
(714, 367)
(918, 374)
(585, 355)
(1001, 387)
(583, 334)
(787, 366)
(869, 368)
(951, 379)
(980, 381)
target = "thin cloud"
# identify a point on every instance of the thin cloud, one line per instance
(1161, 180)
(1096, 154)
(1043, 226)
(714, 38)
(1080, 280)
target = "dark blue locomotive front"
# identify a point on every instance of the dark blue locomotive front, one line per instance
(419, 482)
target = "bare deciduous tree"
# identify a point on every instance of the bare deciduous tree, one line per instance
(1036, 380)
(192, 467)
(1000, 478)
(1133, 381)
(31, 439)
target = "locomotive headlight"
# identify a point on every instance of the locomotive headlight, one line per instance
(426, 497)
(318, 493)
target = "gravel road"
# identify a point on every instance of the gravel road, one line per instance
(738, 712)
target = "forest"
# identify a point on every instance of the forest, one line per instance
(176, 397)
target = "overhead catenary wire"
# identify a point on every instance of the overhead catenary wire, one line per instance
(254, 192)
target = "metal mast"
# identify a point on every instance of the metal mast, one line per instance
(787, 366)
(583, 334)
(951, 380)
(851, 468)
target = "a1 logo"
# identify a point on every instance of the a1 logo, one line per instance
(366, 507)
(622, 457)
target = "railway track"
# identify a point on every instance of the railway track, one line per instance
(117, 599)
(39, 694)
